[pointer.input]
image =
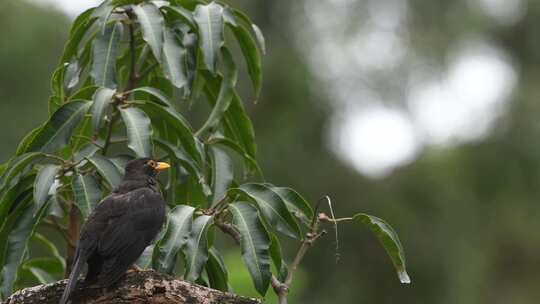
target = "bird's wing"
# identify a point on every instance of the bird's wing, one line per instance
(134, 219)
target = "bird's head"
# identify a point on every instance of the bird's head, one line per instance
(144, 167)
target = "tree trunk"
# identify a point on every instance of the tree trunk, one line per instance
(137, 287)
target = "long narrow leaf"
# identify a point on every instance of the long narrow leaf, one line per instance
(44, 181)
(389, 240)
(222, 173)
(216, 271)
(209, 19)
(174, 59)
(272, 206)
(56, 133)
(139, 131)
(175, 238)
(104, 56)
(196, 249)
(106, 169)
(102, 102)
(151, 22)
(254, 243)
(87, 193)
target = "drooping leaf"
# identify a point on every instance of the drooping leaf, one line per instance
(87, 193)
(9, 197)
(16, 166)
(104, 56)
(16, 245)
(296, 203)
(175, 238)
(44, 181)
(187, 163)
(186, 15)
(79, 28)
(120, 162)
(272, 206)
(103, 12)
(145, 260)
(160, 97)
(254, 243)
(209, 19)
(23, 145)
(45, 270)
(72, 75)
(260, 37)
(216, 271)
(159, 114)
(249, 161)
(51, 247)
(251, 55)
(277, 258)
(56, 133)
(151, 22)
(389, 240)
(102, 102)
(106, 169)
(222, 173)
(237, 124)
(174, 60)
(196, 249)
(228, 82)
(139, 131)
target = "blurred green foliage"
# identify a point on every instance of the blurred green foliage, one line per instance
(468, 216)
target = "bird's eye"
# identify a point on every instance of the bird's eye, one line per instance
(152, 163)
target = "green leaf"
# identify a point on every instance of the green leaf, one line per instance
(222, 173)
(104, 58)
(389, 240)
(209, 20)
(174, 59)
(9, 198)
(226, 91)
(273, 208)
(57, 131)
(145, 260)
(296, 203)
(186, 162)
(72, 75)
(251, 54)
(103, 12)
(21, 226)
(175, 238)
(249, 161)
(277, 258)
(102, 102)
(44, 181)
(87, 193)
(151, 22)
(80, 26)
(237, 124)
(186, 15)
(18, 165)
(161, 98)
(196, 249)
(160, 114)
(254, 243)
(106, 169)
(45, 270)
(216, 271)
(51, 247)
(260, 37)
(139, 131)
(23, 146)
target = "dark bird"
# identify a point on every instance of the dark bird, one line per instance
(120, 227)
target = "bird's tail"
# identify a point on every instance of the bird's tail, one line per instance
(73, 277)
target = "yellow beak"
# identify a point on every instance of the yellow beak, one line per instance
(162, 166)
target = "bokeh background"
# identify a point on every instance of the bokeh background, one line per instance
(424, 113)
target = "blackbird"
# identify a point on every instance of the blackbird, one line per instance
(120, 227)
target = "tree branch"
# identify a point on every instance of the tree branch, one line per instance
(137, 287)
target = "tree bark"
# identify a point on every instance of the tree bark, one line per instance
(137, 287)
